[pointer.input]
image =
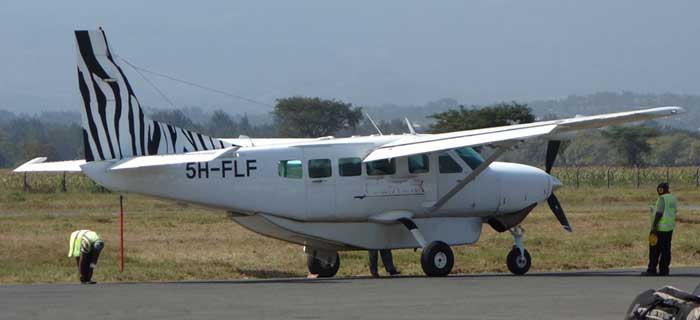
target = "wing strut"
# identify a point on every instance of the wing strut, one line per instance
(469, 178)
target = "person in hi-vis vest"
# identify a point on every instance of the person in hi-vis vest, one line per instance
(663, 221)
(85, 246)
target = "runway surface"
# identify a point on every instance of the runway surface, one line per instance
(571, 295)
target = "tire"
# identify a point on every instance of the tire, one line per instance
(321, 269)
(516, 264)
(437, 259)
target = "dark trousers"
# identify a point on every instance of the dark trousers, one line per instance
(84, 262)
(387, 260)
(660, 253)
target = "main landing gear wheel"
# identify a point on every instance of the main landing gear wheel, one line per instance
(323, 269)
(437, 259)
(518, 263)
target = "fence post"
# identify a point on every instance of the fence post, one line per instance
(63, 182)
(637, 177)
(607, 175)
(667, 176)
(577, 172)
(697, 178)
(26, 185)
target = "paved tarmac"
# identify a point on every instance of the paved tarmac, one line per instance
(571, 295)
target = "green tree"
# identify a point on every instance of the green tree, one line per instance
(244, 125)
(631, 142)
(313, 117)
(221, 125)
(589, 148)
(501, 114)
(175, 118)
(666, 149)
(690, 155)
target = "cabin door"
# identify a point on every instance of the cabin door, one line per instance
(320, 172)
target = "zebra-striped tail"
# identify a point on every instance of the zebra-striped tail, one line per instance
(114, 125)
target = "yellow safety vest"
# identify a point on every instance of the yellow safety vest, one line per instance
(668, 220)
(76, 238)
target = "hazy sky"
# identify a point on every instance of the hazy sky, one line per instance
(364, 52)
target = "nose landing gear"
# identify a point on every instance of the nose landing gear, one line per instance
(518, 259)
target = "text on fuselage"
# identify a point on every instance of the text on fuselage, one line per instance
(224, 169)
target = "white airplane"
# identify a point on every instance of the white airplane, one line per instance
(428, 191)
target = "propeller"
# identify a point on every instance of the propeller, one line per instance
(552, 151)
(554, 205)
(558, 212)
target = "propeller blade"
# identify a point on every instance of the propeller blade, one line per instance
(552, 151)
(559, 212)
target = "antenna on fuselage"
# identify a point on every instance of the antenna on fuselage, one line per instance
(373, 124)
(411, 129)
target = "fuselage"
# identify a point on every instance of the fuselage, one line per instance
(326, 180)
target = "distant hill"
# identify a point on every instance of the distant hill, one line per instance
(602, 102)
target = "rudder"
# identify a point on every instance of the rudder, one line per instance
(114, 125)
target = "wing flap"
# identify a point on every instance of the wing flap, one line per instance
(40, 165)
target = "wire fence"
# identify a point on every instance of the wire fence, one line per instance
(573, 177)
(48, 182)
(627, 176)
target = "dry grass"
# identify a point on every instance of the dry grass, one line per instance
(170, 241)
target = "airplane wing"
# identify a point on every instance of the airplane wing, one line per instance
(438, 142)
(40, 165)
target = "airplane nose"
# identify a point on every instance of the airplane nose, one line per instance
(555, 183)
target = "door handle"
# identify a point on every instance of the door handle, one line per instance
(317, 181)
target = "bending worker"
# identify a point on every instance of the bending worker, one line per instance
(387, 260)
(663, 221)
(85, 246)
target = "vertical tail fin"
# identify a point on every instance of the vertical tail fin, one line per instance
(114, 125)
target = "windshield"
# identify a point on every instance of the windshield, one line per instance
(470, 156)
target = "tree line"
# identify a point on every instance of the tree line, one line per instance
(59, 135)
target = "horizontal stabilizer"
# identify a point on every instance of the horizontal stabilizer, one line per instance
(40, 165)
(170, 159)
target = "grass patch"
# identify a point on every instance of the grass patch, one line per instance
(169, 241)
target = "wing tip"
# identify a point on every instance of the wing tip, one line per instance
(676, 109)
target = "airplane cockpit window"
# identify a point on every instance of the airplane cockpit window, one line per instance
(447, 164)
(381, 167)
(350, 167)
(320, 168)
(470, 156)
(290, 169)
(418, 163)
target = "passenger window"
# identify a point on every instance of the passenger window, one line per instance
(290, 169)
(381, 167)
(418, 163)
(447, 164)
(350, 167)
(320, 168)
